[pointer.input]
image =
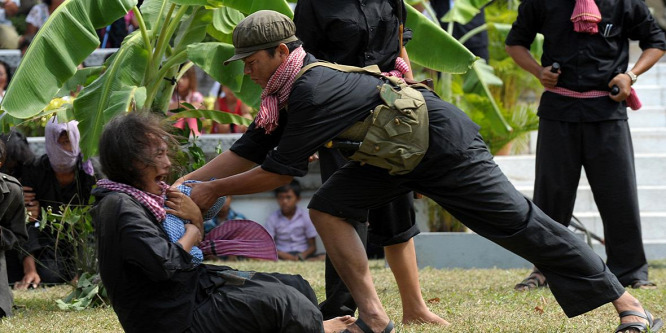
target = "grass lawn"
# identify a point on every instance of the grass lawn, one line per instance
(480, 300)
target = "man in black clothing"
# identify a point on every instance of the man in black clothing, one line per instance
(575, 131)
(361, 34)
(457, 171)
(12, 229)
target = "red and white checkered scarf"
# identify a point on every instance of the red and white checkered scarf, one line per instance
(401, 68)
(585, 17)
(632, 100)
(154, 202)
(275, 95)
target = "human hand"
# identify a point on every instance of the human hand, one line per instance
(313, 158)
(623, 82)
(547, 78)
(182, 206)
(203, 194)
(31, 204)
(30, 279)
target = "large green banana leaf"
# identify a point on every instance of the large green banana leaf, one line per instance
(537, 45)
(434, 48)
(65, 40)
(225, 20)
(151, 10)
(210, 57)
(477, 81)
(113, 92)
(464, 11)
(193, 29)
(251, 6)
(83, 77)
(214, 115)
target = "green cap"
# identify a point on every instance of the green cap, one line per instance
(261, 30)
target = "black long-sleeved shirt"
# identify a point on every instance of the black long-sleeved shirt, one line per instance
(324, 103)
(351, 32)
(588, 62)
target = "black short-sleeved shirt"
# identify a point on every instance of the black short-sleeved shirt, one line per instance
(588, 62)
(323, 103)
(351, 32)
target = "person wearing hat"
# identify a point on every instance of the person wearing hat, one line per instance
(299, 115)
(361, 34)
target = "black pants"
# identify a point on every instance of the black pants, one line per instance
(471, 186)
(605, 150)
(258, 302)
(392, 223)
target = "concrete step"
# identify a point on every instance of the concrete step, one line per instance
(653, 224)
(520, 169)
(649, 140)
(651, 94)
(469, 250)
(650, 198)
(647, 117)
(656, 75)
(646, 139)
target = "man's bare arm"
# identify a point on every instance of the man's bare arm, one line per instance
(522, 56)
(224, 165)
(252, 181)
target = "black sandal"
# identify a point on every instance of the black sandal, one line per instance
(532, 282)
(366, 329)
(653, 325)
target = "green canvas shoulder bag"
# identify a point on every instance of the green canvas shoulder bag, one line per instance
(395, 135)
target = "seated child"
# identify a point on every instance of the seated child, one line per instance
(291, 227)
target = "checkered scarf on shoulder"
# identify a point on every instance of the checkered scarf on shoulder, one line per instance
(275, 95)
(154, 202)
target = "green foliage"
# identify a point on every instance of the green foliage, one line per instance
(73, 225)
(89, 293)
(171, 32)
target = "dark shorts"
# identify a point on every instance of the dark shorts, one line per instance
(390, 223)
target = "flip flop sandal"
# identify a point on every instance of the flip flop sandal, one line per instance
(643, 284)
(653, 325)
(531, 282)
(366, 329)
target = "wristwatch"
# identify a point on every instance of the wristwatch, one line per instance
(632, 76)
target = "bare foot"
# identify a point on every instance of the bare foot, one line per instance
(426, 317)
(338, 324)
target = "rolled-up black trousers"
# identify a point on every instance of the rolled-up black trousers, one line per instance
(471, 186)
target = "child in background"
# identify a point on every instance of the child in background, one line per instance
(228, 102)
(291, 227)
(186, 91)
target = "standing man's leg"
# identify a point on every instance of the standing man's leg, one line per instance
(608, 143)
(339, 301)
(394, 226)
(345, 250)
(558, 168)
(477, 193)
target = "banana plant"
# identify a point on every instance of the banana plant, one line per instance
(140, 76)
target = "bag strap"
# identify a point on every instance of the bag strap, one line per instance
(372, 69)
